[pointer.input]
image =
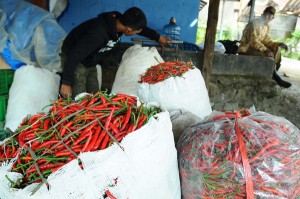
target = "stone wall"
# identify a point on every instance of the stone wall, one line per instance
(237, 82)
(244, 81)
(231, 93)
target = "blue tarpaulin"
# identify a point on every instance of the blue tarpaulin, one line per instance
(33, 33)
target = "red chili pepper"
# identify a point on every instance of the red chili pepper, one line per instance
(86, 132)
(56, 168)
(114, 128)
(21, 140)
(99, 140)
(98, 107)
(103, 99)
(105, 142)
(104, 134)
(35, 117)
(118, 121)
(62, 146)
(119, 99)
(262, 151)
(124, 95)
(67, 153)
(84, 102)
(44, 166)
(26, 158)
(131, 128)
(273, 191)
(8, 152)
(46, 123)
(92, 101)
(86, 144)
(127, 118)
(29, 137)
(164, 70)
(94, 139)
(64, 128)
(120, 136)
(107, 192)
(141, 121)
(47, 144)
(61, 113)
(82, 137)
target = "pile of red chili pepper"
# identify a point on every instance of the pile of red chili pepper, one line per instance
(46, 142)
(240, 155)
(164, 70)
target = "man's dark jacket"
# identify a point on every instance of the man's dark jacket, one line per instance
(89, 42)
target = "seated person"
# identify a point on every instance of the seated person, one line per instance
(256, 40)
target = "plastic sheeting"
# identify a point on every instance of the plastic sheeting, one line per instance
(6, 54)
(35, 36)
(57, 7)
(219, 47)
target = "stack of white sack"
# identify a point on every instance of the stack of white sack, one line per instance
(32, 91)
(135, 61)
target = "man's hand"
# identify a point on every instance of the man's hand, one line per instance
(164, 40)
(284, 46)
(65, 91)
(269, 53)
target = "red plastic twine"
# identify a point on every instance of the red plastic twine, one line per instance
(246, 165)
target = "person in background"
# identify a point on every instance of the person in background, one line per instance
(256, 40)
(89, 43)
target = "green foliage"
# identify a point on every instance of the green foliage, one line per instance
(294, 40)
(227, 34)
(201, 31)
(291, 55)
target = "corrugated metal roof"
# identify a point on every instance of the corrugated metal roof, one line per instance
(292, 7)
(289, 7)
(202, 4)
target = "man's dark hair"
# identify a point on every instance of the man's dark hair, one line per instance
(270, 10)
(134, 18)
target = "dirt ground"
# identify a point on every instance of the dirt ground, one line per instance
(290, 71)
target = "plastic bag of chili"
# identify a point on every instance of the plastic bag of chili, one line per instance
(242, 154)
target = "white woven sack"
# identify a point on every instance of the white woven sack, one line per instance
(31, 91)
(181, 120)
(187, 92)
(135, 62)
(144, 167)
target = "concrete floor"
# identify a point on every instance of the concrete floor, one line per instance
(290, 71)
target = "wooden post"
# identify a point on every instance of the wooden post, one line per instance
(210, 36)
